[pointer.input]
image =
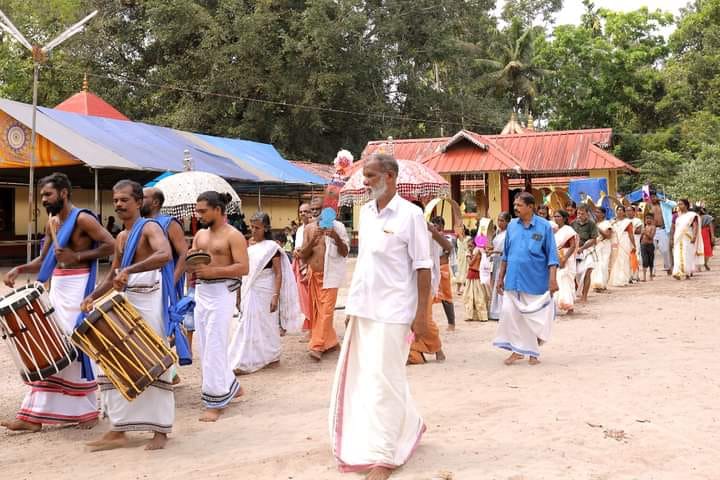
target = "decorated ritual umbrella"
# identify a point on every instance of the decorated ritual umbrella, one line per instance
(182, 189)
(415, 181)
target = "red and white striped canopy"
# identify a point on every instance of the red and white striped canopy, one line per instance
(415, 181)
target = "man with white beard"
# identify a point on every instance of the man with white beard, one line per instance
(374, 423)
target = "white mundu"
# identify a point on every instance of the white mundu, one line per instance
(154, 409)
(373, 419)
(64, 397)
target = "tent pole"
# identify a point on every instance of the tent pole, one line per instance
(259, 199)
(31, 184)
(97, 202)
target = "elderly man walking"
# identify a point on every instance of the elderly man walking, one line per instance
(527, 282)
(374, 424)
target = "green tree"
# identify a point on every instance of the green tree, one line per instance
(512, 71)
(697, 179)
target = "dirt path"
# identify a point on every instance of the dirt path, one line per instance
(628, 389)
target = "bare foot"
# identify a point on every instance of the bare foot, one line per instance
(211, 415)
(87, 425)
(21, 426)
(440, 356)
(158, 442)
(533, 361)
(315, 355)
(379, 473)
(514, 357)
(239, 394)
(451, 328)
(109, 441)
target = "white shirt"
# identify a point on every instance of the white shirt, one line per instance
(393, 245)
(335, 264)
(299, 237)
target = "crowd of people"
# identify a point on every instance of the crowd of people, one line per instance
(253, 290)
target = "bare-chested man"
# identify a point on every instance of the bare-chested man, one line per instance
(215, 300)
(662, 240)
(141, 251)
(300, 268)
(64, 397)
(153, 200)
(325, 251)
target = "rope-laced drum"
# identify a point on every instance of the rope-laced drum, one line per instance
(38, 345)
(121, 342)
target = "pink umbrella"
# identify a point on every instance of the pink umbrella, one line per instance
(415, 181)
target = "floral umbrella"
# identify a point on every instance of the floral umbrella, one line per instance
(415, 181)
(182, 189)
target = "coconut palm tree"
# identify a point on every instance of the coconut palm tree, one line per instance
(512, 73)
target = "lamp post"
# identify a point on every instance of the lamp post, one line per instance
(39, 55)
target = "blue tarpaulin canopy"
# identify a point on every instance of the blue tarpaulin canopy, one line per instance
(155, 180)
(104, 143)
(148, 146)
(264, 155)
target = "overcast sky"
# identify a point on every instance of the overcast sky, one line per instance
(573, 9)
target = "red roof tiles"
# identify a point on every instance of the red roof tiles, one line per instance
(531, 152)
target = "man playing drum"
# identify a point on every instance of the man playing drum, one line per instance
(215, 301)
(153, 200)
(140, 253)
(65, 397)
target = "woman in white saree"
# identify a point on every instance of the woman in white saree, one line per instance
(686, 241)
(269, 302)
(566, 241)
(603, 248)
(623, 246)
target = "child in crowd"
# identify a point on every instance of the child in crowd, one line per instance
(477, 295)
(647, 246)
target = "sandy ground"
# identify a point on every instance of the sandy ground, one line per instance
(628, 389)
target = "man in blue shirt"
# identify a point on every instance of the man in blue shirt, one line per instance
(527, 282)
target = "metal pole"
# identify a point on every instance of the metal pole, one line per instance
(31, 184)
(97, 202)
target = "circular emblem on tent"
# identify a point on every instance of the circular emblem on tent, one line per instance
(16, 138)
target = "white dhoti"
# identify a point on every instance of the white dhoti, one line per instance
(585, 263)
(214, 308)
(154, 409)
(64, 397)
(373, 418)
(525, 319)
(601, 270)
(662, 243)
(256, 342)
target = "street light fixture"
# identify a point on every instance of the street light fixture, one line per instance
(39, 55)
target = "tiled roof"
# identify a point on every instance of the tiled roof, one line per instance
(323, 170)
(560, 152)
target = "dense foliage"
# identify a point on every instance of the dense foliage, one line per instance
(314, 76)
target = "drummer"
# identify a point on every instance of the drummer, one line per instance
(141, 253)
(153, 200)
(214, 300)
(66, 397)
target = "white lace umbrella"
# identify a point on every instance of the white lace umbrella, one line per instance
(182, 189)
